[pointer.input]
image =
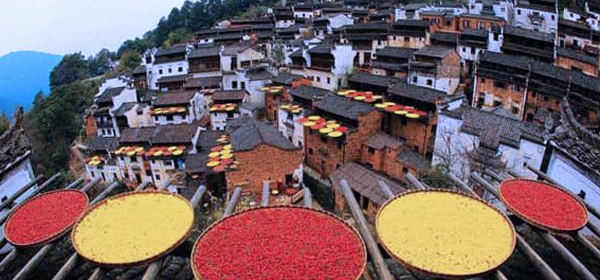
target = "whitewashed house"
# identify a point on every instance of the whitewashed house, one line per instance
(326, 65)
(178, 107)
(537, 15)
(167, 68)
(500, 8)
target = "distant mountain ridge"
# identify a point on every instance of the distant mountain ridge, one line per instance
(22, 75)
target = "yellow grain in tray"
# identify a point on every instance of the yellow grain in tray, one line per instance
(133, 228)
(445, 233)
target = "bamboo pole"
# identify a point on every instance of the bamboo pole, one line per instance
(41, 254)
(154, 268)
(266, 192)
(587, 244)
(385, 189)
(90, 184)
(551, 240)
(19, 192)
(416, 183)
(8, 259)
(68, 266)
(75, 184)
(233, 202)
(378, 261)
(523, 246)
(307, 197)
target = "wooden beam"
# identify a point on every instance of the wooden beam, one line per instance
(523, 246)
(378, 261)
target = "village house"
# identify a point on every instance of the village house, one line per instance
(196, 169)
(332, 11)
(593, 10)
(111, 96)
(522, 42)
(391, 61)
(364, 184)
(283, 16)
(365, 40)
(178, 107)
(155, 154)
(411, 11)
(435, 67)
(536, 15)
(470, 139)
(326, 25)
(324, 154)
(140, 77)
(503, 9)
(221, 113)
(577, 35)
(304, 11)
(204, 68)
(480, 21)
(409, 34)
(263, 155)
(381, 15)
(532, 90)
(441, 21)
(167, 68)
(133, 114)
(471, 42)
(101, 162)
(326, 65)
(444, 39)
(376, 84)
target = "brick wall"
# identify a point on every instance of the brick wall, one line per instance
(417, 134)
(91, 129)
(450, 66)
(565, 62)
(476, 23)
(384, 161)
(262, 163)
(508, 93)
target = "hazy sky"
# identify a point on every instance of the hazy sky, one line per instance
(65, 26)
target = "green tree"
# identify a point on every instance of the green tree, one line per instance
(72, 67)
(100, 63)
(178, 36)
(129, 61)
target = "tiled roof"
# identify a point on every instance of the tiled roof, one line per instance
(174, 98)
(382, 140)
(395, 52)
(179, 49)
(529, 34)
(285, 78)
(162, 134)
(172, 79)
(579, 56)
(247, 133)
(139, 70)
(108, 94)
(415, 92)
(321, 49)
(364, 181)
(205, 52)
(208, 82)
(370, 79)
(308, 92)
(412, 23)
(344, 107)
(446, 37)
(234, 96)
(434, 51)
(413, 159)
(103, 143)
(126, 106)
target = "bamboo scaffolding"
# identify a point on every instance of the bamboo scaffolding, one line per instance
(378, 262)
(35, 192)
(551, 240)
(66, 269)
(537, 261)
(41, 254)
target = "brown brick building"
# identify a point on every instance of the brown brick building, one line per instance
(578, 60)
(263, 155)
(323, 154)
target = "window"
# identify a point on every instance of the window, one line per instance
(552, 17)
(169, 117)
(243, 85)
(169, 163)
(414, 79)
(472, 50)
(517, 87)
(310, 151)
(371, 150)
(157, 177)
(170, 70)
(234, 84)
(328, 80)
(404, 170)
(518, 11)
(134, 159)
(429, 82)
(464, 49)
(466, 23)
(160, 71)
(483, 80)
(406, 39)
(339, 144)
(318, 79)
(365, 203)
(499, 84)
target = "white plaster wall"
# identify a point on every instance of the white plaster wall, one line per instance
(154, 71)
(548, 25)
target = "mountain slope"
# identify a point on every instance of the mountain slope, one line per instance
(22, 75)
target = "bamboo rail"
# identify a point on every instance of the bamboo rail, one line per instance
(551, 240)
(19, 192)
(35, 192)
(378, 261)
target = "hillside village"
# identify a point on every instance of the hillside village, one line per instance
(287, 105)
